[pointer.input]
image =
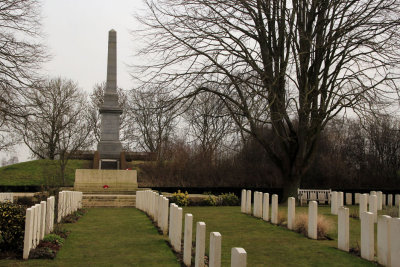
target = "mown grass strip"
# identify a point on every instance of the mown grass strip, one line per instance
(110, 237)
(267, 244)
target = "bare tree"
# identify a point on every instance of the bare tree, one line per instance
(7, 137)
(290, 65)
(152, 120)
(21, 53)
(210, 124)
(58, 125)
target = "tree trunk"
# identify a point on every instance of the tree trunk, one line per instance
(291, 181)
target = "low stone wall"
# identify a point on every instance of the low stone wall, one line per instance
(105, 181)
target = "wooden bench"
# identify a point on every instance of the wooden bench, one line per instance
(306, 195)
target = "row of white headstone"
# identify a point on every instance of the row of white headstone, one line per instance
(261, 210)
(261, 205)
(375, 203)
(388, 236)
(39, 219)
(68, 202)
(155, 205)
(7, 197)
(150, 202)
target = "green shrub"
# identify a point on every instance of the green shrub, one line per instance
(62, 232)
(25, 201)
(42, 253)
(12, 226)
(211, 200)
(179, 198)
(229, 199)
(53, 238)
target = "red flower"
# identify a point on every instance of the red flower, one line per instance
(105, 186)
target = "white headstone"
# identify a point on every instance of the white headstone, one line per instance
(291, 212)
(390, 200)
(395, 242)
(165, 214)
(349, 199)
(312, 219)
(397, 200)
(28, 233)
(334, 202)
(38, 220)
(243, 201)
(248, 202)
(373, 206)
(178, 230)
(266, 207)
(60, 206)
(372, 193)
(43, 208)
(357, 198)
(200, 244)
(238, 257)
(367, 236)
(340, 200)
(379, 199)
(187, 241)
(260, 205)
(383, 200)
(343, 229)
(255, 206)
(215, 250)
(363, 204)
(383, 236)
(274, 209)
(171, 222)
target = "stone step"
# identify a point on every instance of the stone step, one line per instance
(102, 200)
(109, 192)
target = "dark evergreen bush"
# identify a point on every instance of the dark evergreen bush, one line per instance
(12, 226)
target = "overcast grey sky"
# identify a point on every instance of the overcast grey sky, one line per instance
(76, 35)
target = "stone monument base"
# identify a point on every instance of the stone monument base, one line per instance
(106, 181)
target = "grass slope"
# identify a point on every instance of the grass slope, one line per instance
(39, 172)
(110, 237)
(269, 245)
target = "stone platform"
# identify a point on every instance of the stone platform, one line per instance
(116, 182)
(96, 200)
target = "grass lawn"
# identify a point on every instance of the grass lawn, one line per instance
(270, 245)
(39, 172)
(110, 237)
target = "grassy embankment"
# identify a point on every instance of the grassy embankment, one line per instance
(39, 172)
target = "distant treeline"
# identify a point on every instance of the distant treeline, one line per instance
(349, 155)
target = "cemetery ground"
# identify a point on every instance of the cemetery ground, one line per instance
(126, 237)
(109, 237)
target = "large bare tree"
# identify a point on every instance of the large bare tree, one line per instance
(58, 124)
(21, 55)
(291, 65)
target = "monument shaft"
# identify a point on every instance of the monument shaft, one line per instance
(110, 146)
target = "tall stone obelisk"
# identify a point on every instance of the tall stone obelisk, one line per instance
(110, 146)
